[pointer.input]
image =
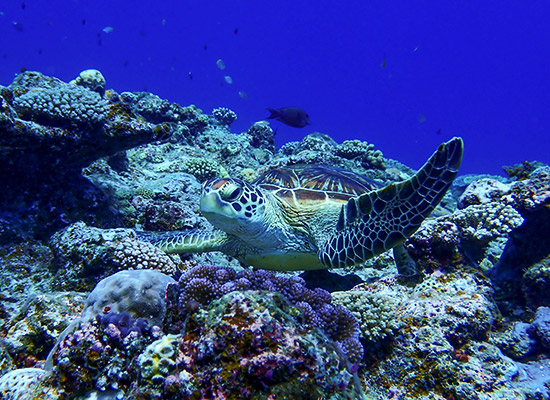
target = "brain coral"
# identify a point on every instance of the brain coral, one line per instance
(138, 292)
(20, 383)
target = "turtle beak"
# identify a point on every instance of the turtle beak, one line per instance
(210, 202)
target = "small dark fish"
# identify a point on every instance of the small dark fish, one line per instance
(23, 69)
(83, 21)
(291, 116)
(236, 31)
(23, 5)
(39, 51)
(18, 26)
(190, 75)
(125, 63)
(99, 42)
(205, 47)
(439, 131)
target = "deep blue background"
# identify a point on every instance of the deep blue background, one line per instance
(404, 75)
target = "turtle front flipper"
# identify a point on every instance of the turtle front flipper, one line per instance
(380, 220)
(193, 242)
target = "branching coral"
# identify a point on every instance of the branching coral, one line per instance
(133, 254)
(374, 310)
(201, 168)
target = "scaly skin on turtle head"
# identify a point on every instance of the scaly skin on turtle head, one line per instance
(233, 206)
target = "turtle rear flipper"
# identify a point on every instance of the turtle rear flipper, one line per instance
(193, 242)
(380, 220)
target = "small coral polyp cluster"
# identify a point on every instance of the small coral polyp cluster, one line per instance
(201, 285)
(220, 340)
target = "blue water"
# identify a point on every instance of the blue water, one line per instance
(403, 75)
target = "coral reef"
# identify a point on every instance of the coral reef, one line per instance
(84, 255)
(529, 244)
(20, 384)
(139, 293)
(521, 340)
(199, 286)
(263, 352)
(75, 123)
(32, 332)
(246, 344)
(355, 149)
(224, 115)
(154, 109)
(482, 191)
(86, 170)
(91, 79)
(202, 168)
(55, 107)
(50, 130)
(132, 254)
(374, 307)
(453, 360)
(318, 148)
(100, 354)
(262, 136)
(536, 283)
(158, 361)
(479, 231)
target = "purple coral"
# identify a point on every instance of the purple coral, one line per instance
(249, 345)
(200, 285)
(124, 324)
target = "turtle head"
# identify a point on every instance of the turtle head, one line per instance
(233, 206)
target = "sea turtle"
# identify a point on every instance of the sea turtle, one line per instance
(316, 217)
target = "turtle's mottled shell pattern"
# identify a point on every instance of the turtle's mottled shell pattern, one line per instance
(306, 185)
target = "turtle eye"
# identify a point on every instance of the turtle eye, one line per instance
(231, 192)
